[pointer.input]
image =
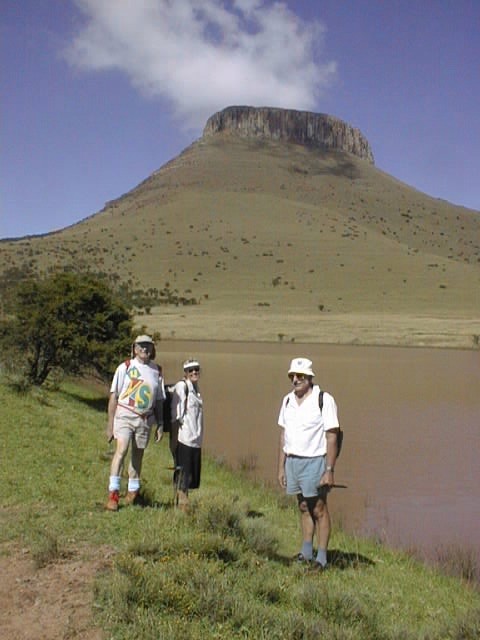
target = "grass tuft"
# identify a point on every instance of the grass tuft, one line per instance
(459, 562)
(45, 548)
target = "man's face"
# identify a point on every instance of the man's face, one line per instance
(143, 350)
(300, 383)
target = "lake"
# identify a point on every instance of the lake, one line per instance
(411, 418)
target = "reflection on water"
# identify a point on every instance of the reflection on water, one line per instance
(412, 430)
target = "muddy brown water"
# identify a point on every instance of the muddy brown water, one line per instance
(411, 419)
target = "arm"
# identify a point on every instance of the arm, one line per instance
(281, 460)
(158, 413)
(180, 397)
(158, 409)
(112, 407)
(331, 457)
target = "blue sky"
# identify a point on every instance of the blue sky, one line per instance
(98, 94)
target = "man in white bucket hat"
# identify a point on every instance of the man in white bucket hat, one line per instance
(308, 451)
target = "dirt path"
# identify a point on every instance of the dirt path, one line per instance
(52, 602)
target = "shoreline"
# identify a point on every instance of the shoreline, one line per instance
(355, 329)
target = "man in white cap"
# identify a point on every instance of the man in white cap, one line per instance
(308, 451)
(136, 401)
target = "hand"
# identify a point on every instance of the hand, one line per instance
(158, 434)
(282, 480)
(327, 479)
(109, 433)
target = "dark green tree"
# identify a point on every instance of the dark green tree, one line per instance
(70, 322)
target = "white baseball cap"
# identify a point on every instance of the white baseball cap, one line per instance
(301, 365)
(143, 338)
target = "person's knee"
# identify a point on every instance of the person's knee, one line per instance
(122, 448)
(302, 503)
(319, 510)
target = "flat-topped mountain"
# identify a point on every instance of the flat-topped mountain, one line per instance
(317, 130)
(276, 224)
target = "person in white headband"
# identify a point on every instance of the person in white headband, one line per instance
(187, 410)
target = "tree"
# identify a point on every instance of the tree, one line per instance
(72, 322)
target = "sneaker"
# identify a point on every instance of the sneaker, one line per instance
(316, 567)
(112, 502)
(131, 497)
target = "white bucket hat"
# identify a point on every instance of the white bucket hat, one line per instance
(301, 365)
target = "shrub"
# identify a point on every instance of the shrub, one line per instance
(66, 322)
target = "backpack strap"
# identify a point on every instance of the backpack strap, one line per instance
(186, 399)
(320, 400)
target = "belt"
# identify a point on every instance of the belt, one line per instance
(145, 416)
(292, 455)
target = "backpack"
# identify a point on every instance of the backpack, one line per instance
(170, 425)
(339, 432)
(167, 406)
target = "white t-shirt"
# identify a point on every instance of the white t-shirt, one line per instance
(190, 415)
(138, 387)
(304, 425)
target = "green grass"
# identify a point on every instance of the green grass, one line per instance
(224, 570)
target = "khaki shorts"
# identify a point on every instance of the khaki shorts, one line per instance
(132, 428)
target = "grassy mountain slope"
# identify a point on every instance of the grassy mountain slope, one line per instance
(275, 238)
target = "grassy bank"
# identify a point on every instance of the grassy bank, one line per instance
(223, 571)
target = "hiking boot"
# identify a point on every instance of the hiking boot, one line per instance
(112, 502)
(131, 497)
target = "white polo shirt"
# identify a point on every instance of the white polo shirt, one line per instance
(305, 426)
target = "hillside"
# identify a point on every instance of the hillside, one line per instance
(71, 570)
(275, 239)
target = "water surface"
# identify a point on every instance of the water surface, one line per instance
(412, 430)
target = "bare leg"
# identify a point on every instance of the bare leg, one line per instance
(115, 471)
(322, 524)
(182, 498)
(306, 522)
(322, 529)
(119, 457)
(135, 466)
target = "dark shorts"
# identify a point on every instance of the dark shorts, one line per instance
(190, 460)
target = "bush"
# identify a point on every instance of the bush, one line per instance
(69, 323)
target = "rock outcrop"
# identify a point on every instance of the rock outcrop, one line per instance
(302, 127)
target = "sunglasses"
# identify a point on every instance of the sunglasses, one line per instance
(146, 346)
(193, 370)
(298, 376)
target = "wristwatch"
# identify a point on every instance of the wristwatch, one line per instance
(329, 468)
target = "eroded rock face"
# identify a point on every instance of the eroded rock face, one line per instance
(302, 127)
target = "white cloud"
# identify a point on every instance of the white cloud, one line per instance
(204, 56)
